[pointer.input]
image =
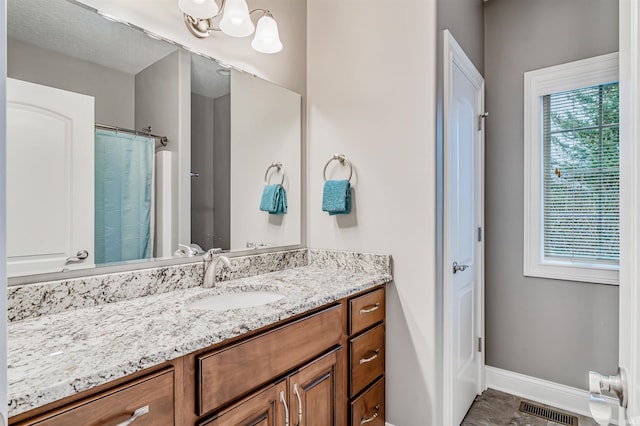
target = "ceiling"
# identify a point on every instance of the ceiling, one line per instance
(66, 28)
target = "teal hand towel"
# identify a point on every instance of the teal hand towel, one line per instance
(274, 199)
(336, 197)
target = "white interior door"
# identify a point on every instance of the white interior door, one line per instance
(463, 204)
(629, 348)
(50, 178)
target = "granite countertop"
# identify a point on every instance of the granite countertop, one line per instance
(58, 355)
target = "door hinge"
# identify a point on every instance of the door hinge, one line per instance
(479, 344)
(479, 234)
(481, 118)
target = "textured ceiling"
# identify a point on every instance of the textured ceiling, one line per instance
(205, 79)
(69, 29)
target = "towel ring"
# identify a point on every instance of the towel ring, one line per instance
(279, 167)
(342, 159)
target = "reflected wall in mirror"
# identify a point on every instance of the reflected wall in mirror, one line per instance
(125, 148)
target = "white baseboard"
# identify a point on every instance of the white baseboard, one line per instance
(559, 396)
(388, 424)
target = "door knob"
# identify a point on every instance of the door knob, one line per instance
(79, 257)
(457, 267)
(616, 384)
(599, 407)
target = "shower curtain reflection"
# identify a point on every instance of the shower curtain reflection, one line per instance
(124, 204)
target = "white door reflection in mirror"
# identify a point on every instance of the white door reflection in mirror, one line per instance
(49, 178)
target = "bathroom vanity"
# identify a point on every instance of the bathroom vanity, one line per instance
(316, 356)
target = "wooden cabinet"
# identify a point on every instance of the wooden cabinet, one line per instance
(368, 408)
(264, 408)
(222, 374)
(323, 368)
(316, 392)
(367, 358)
(150, 399)
(366, 310)
(309, 396)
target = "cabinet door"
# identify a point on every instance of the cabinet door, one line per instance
(316, 392)
(264, 408)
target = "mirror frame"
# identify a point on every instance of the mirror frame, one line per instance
(136, 265)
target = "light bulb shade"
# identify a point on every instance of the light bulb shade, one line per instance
(201, 9)
(235, 19)
(267, 38)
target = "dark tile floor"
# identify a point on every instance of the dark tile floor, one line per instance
(494, 408)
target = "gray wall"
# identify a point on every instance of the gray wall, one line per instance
(222, 172)
(210, 157)
(464, 19)
(113, 90)
(159, 91)
(202, 193)
(550, 329)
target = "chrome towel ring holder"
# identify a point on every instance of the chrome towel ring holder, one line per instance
(342, 159)
(277, 166)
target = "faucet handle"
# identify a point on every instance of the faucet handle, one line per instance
(212, 267)
(211, 254)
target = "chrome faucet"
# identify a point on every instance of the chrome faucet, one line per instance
(212, 267)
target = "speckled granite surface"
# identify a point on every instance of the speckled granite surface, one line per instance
(33, 300)
(350, 261)
(57, 355)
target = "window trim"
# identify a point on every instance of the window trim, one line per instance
(573, 75)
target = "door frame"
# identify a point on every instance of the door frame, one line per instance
(629, 292)
(453, 53)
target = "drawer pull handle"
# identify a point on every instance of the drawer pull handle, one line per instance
(372, 418)
(286, 409)
(136, 414)
(371, 358)
(295, 391)
(370, 308)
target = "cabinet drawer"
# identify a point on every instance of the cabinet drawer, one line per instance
(366, 310)
(232, 372)
(119, 404)
(368, 409)
(366, 358)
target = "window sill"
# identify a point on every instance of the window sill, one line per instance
(573, 272)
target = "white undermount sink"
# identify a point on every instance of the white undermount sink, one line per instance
(247, 299)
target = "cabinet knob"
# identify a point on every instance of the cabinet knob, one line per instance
(297, 394)
(286, 409)
(136, 415)
(371, 358)
(371, 308)
(372, 418)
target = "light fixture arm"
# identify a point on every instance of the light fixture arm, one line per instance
(265, 12)
(202, 28)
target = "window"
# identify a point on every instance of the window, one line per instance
(572, 171)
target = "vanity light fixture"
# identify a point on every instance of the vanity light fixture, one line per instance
(235, 22)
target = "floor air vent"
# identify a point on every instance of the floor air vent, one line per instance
(548, 413)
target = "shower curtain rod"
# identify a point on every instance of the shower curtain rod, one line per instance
(144, 132)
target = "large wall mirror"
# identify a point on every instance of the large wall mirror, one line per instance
(123, 148)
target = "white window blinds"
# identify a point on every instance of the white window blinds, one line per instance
(581, 174)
